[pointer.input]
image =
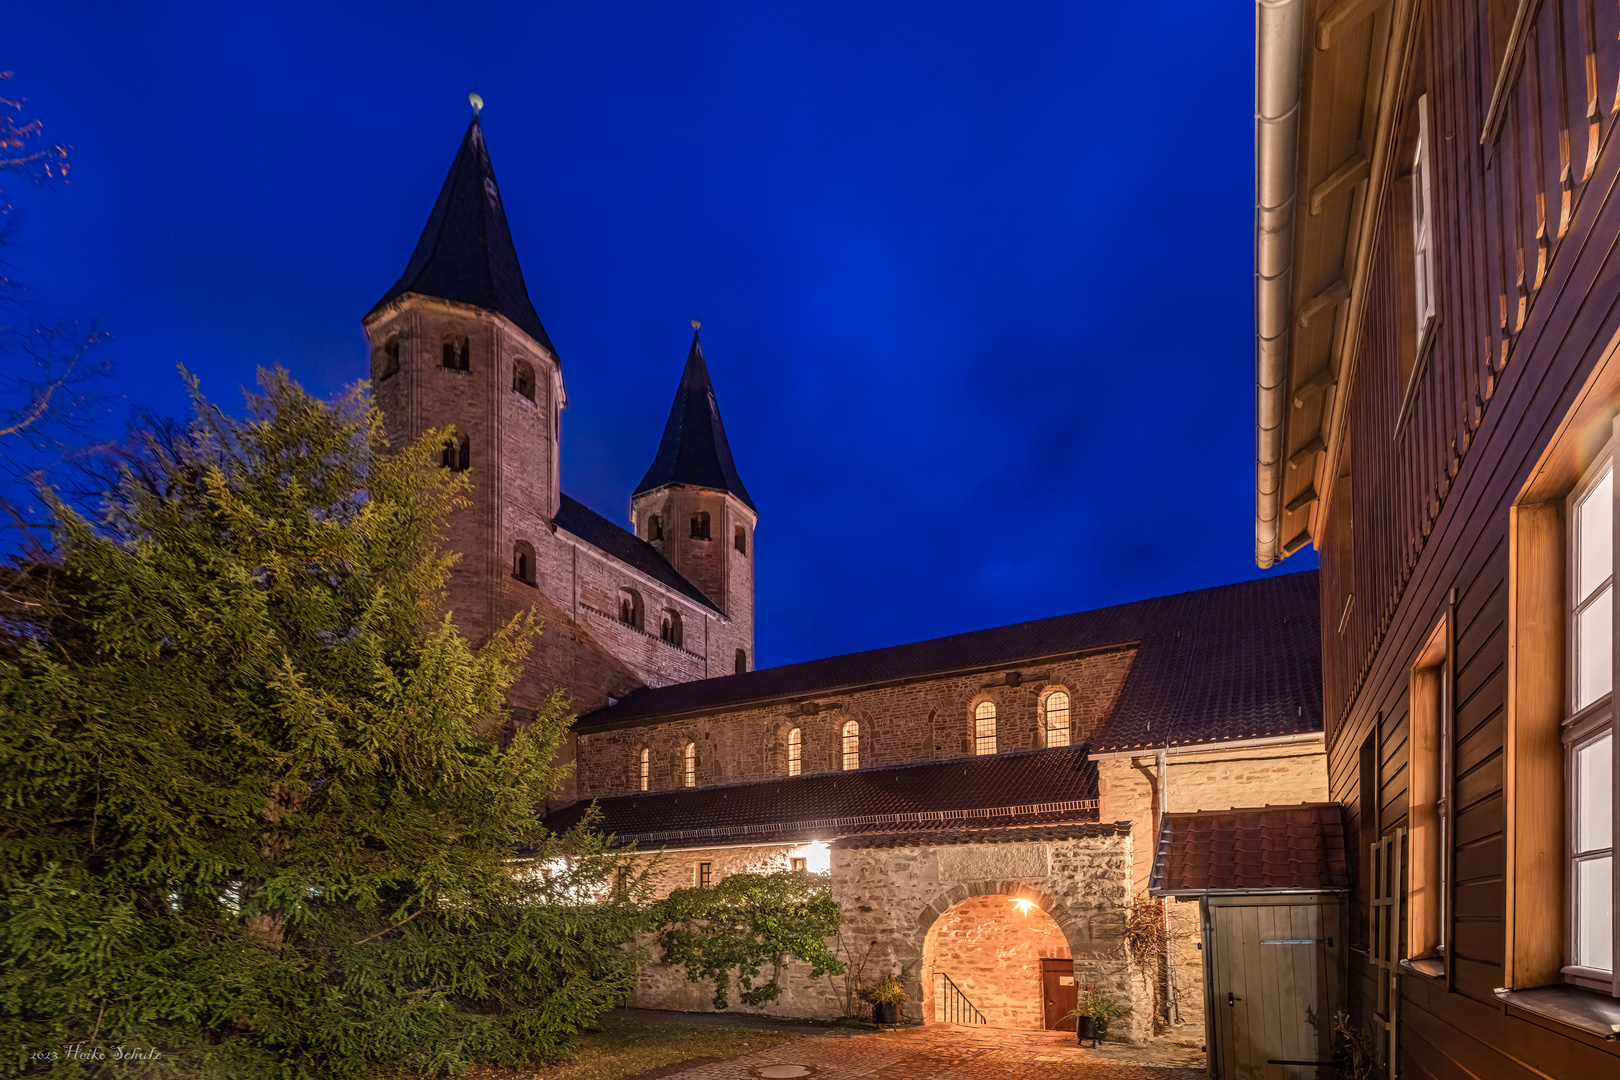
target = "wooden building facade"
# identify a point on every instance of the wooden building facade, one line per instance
(1438, 318)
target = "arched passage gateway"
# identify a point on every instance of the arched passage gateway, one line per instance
(1001, 960)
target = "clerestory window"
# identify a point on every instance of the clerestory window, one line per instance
(689, 765)
(795, 752)
(1056, 708)
(644, 767)
(851, 745)
(984, 728)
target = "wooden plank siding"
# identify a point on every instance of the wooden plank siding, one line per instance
(1526, 224)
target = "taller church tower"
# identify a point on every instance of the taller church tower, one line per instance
(456, 342)
(693, 508)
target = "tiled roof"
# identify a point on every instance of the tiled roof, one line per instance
(694, 449)
(1231, 662)
(1038, 787)
(1256, 850)
(622, 544)
(466, 253)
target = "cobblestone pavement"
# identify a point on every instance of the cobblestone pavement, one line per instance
(949, 1052)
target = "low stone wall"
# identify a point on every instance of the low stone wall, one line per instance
(902, 897)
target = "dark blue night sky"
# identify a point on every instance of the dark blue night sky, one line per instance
(975, 279)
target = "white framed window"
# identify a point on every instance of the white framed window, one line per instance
(1589, 736)
(852, 745)
(689, 765)
(795, 757)
(1423, 275)
(1056, 708)
(984, 728)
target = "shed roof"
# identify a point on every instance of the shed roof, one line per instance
(1265, 849)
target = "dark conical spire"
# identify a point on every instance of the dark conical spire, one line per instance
(694, 450)
(466, 252)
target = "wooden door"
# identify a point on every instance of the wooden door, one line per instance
(1276, 965)
(1059, 993)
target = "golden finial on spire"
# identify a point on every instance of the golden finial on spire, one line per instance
(476, 102)
(696, 324)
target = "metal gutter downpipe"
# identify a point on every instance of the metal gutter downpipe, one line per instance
(1278, 43)
(1172, 1011)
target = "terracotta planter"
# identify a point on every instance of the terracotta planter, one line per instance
(886, 1015)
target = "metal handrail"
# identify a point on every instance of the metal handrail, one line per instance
(951, 1006)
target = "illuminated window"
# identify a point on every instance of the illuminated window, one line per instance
(852, 745)
(984, 728)
(523, 379)
(1589, 730)
(689, 765)
(1057, 718)
(795, 752)
(645, 767)
(457, 352)
(705, 875)
(700, 525)
(798, 865)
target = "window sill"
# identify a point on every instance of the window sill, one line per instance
(1430, 967)
(1585, 1010)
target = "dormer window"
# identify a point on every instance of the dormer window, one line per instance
(655, 528)
(523, 379)
(523, 562)
(457, 454)
(740, 540)
(700, 525)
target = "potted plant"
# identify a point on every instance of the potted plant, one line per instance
(1093, 1012)
(885, 996)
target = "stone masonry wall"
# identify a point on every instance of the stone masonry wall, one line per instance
(922, 721)
(898, 905)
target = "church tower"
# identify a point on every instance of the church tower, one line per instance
(456, 342)
(692, 506)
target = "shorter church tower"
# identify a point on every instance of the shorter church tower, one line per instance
(693, 508)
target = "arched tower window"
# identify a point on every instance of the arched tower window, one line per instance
(1057, 718)
(388, 358)
(795, 760)
(523, 378)
(523, 562)
(689, 765)
(851, 745)
(457, 352)
(644, 767)
(700, 525)
(740, 540)
(670, 628)
(631, 611)
(742, 661)
(655, 528)
(457, 453)
(984, 728)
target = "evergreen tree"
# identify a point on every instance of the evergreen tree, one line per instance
(260, 799)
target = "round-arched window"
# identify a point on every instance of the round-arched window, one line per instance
(1057, 718)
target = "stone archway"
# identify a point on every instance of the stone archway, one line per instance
(992, 907)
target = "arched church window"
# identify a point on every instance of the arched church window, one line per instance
(457, 454)
(388, 358)
(742, 661)
(655, 528)
(523, 562)
(631, 611)
(689, 765)
(984, 728)
(670, 628)
(851, 745)
(740, 540)
(1057, 718)
(644, 767)
(795, 760)
(700, 525)
(457, 352)
(523, 378)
